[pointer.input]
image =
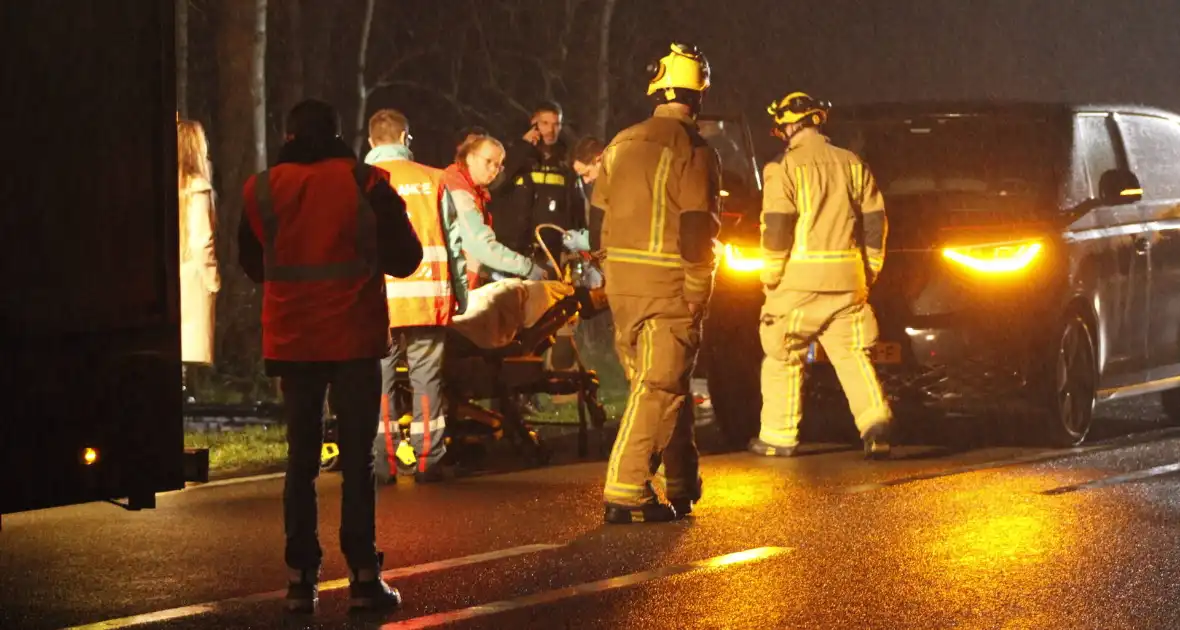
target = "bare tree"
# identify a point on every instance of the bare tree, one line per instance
(182, 58)
(293, 80)
(258, 84)
(604, 30)
(362, 87)
(238, 304)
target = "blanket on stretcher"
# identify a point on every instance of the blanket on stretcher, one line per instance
(498, 311)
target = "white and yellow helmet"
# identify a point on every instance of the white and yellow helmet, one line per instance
(685, 68)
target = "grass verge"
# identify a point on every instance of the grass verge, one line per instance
(250, 450)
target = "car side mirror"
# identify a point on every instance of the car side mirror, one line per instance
(1119, 187)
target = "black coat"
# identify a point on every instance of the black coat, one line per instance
(533, 190)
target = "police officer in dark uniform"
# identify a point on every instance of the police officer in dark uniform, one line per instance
(538, 186)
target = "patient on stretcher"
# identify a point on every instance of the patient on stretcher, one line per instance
(498, 311)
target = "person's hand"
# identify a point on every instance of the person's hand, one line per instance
(697, 311)
(576, 240)
(533, 136)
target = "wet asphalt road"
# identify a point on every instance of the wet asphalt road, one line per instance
(986, 537)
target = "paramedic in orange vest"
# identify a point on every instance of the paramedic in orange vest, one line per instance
(422, 305)
(319, 230)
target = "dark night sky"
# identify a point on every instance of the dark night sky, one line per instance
(849, 50)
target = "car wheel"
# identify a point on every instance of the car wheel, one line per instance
(1071, 386)
(1170, 401)
(735, 390)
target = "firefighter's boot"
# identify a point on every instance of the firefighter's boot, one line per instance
(303, 590)
(650, 512)
(876, 440)
(368, 592)
(758, 447)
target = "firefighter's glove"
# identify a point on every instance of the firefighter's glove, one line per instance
(576, 240)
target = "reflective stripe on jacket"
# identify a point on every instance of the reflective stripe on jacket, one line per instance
(659, 195)
(814, 198)
(426, 297)
(323, 295)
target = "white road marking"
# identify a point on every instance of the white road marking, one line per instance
(1117, 479)
(548, 597)
(209, 607)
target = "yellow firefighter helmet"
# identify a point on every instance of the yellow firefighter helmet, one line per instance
(685, 68)
(798, 107)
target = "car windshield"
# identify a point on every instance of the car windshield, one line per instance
(738, 171)
(973, 154)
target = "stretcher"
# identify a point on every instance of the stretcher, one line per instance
(495, 362)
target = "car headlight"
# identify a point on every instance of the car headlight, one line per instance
(996, 257)
(740, 260)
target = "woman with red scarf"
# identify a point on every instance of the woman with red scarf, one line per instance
(477, 162)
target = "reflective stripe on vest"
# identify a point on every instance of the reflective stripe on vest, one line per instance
(274, 272)
(542, 177)
(432, 278)
(425, 297)
(643, 257)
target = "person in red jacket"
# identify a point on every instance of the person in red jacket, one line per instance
(320, 230)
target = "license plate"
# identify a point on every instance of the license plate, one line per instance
(885, 352)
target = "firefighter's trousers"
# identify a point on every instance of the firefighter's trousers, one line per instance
(422, 348)
(845, 327)
(657, 340)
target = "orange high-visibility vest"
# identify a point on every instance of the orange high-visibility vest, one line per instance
(425, 298)
(323, 295)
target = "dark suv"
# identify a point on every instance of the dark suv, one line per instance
(1032, 268)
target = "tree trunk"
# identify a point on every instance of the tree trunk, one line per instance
(238, 312)
(608, 10)
(258, 84)
(318, 51)
(294, 79)
(362, 89)
(182, 58)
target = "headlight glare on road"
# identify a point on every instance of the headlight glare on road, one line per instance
(741, 261)
(996, 257)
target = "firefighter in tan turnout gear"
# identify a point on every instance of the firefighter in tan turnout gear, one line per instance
(823, 242)
(656, 202)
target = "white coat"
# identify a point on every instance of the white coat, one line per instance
(199, 279)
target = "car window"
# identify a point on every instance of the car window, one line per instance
(1094, 154)
(987, 155)
(1153, 153)
(727, 137)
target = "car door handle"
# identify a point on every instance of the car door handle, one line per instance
(1142, 245)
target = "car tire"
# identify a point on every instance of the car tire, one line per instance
(735, 389)
(1170, 401)
(1069, 385)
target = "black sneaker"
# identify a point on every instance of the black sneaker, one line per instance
(876, 440)
(758, 447)
(303, 591)
(369, 593)
(651, 512)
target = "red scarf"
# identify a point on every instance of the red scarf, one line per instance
(457, 177)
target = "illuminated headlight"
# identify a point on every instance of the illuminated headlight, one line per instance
(741, 260)
(996, 257)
